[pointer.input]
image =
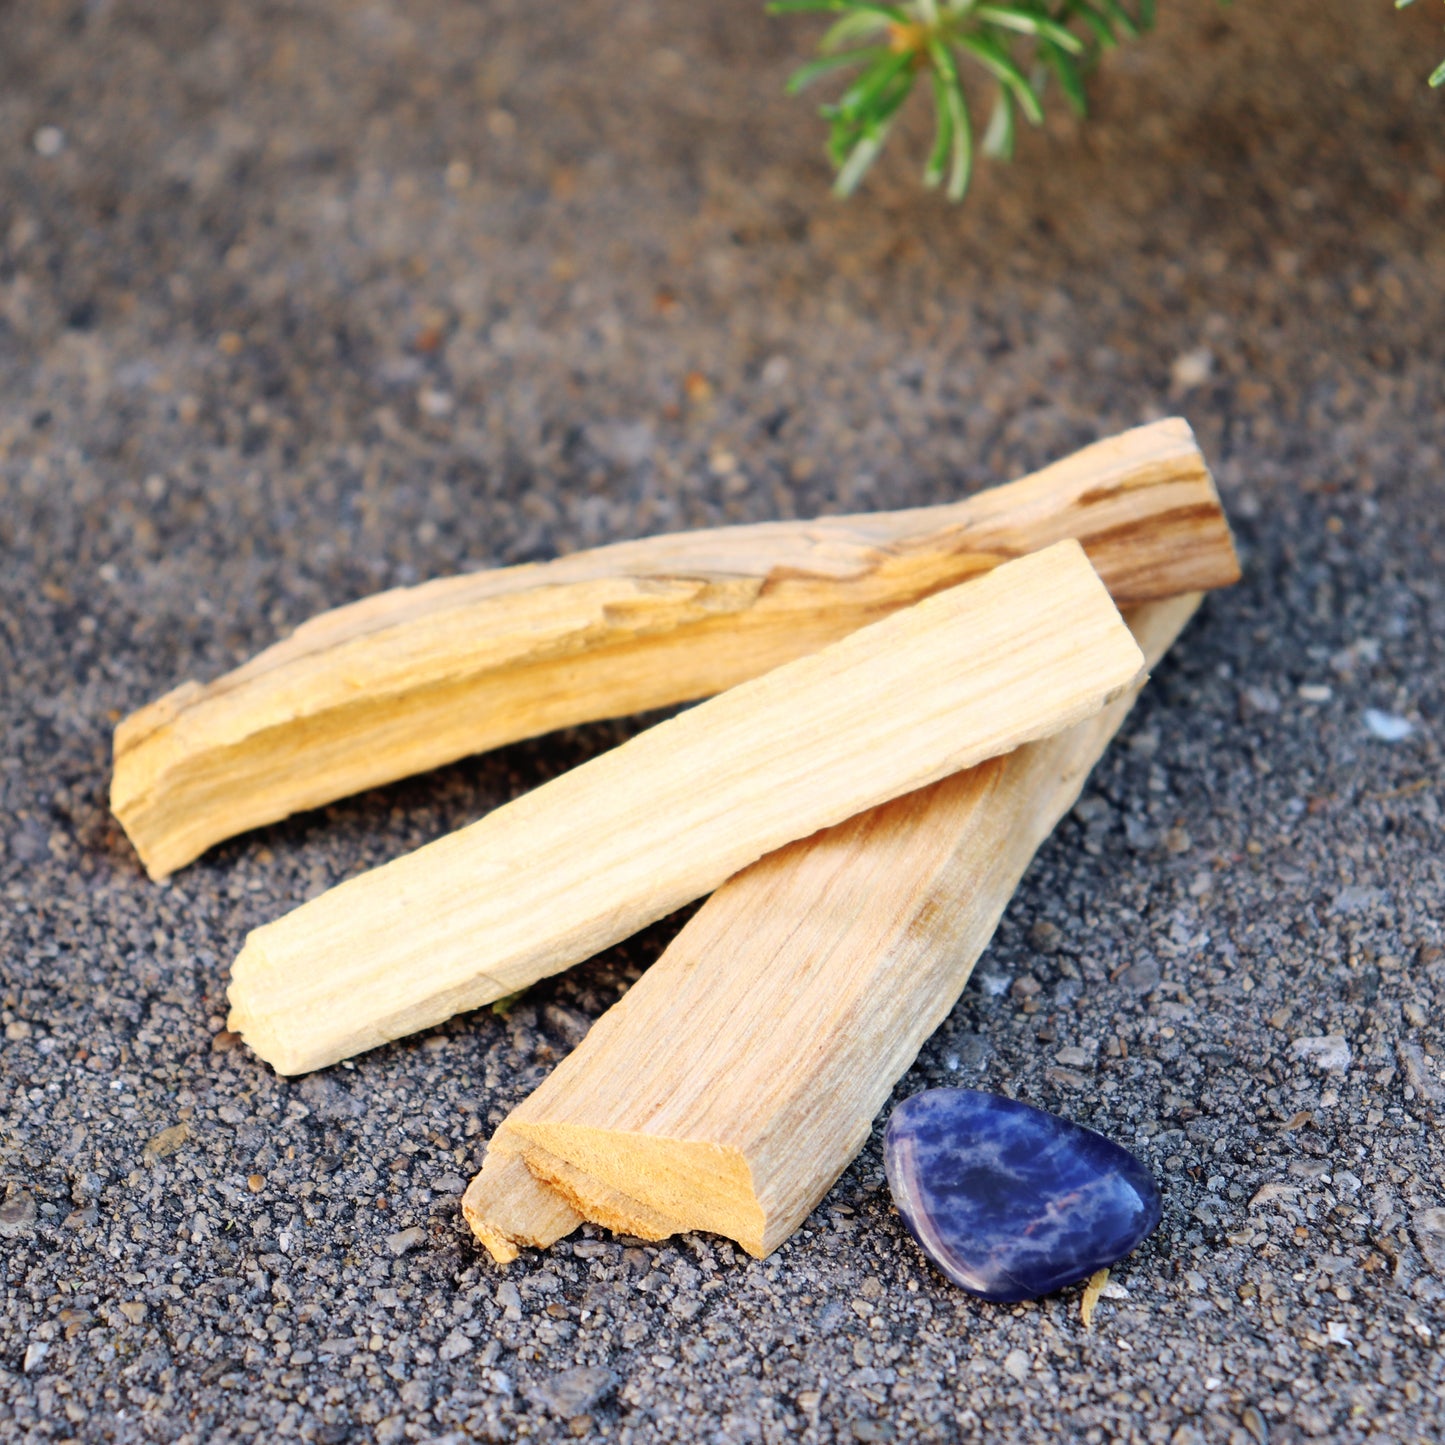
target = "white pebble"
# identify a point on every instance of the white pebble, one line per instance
(1315, 692)
(436, 403)
(406, 1239)
(454, 1346)
(49, 141)
(1329, 1052)
(776, 370)
(1192, 368)
(1387, 726)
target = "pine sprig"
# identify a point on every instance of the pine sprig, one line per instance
(1438, 78)
(1020, 45)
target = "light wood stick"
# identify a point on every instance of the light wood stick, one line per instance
(733, 1083)
(412, 679)
(520, 1210)
(603, 850)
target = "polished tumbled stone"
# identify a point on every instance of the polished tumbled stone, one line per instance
(1011, 1202)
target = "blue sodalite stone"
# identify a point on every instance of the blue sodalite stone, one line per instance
(1008, 1201)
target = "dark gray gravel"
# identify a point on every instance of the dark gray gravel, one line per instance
(301, 301)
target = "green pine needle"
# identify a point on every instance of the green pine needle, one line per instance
(1013, 47)
(508, 1001)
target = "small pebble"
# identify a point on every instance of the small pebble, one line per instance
(1045, 936)
(510, 1299)
(574, 1392)
(1428, 1227)
(17, 1215)
(1417, 1071)
(1358, 898)
(167, 1142)
(1143, 976)
(776, 371)
(1191, 369)
(454, 1346)
(1261, 699)
(49, 141)
(1387, 726)
(1329, 1052)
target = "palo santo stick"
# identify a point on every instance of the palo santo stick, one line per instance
(414, 678)
(735, 1081)
(603, 850)
(521, 1210)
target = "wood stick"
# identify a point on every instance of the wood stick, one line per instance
(520, 1209)
(603, 850)
(733, 1083)
(414, 678)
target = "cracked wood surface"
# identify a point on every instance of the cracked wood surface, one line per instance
(730, 1086)
(601, 851)
(414, 678)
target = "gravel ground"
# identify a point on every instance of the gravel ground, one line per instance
(301, 301)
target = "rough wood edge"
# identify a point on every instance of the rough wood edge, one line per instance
(635, 1211)
(597, 853)
(414, 678)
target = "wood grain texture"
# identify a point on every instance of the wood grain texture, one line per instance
(508, 1208)
(414, 678)
(596, 854)
(735, 1081)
